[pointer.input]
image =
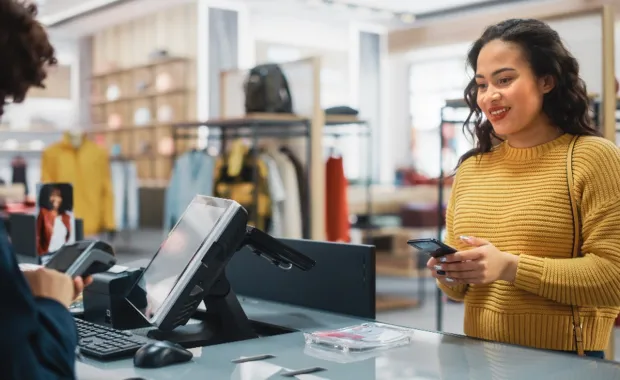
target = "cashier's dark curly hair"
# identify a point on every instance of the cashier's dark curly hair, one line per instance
(25, 51)
(567, 105)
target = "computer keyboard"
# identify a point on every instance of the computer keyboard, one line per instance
(105, 343)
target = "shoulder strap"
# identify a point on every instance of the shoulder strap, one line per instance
(577, 325)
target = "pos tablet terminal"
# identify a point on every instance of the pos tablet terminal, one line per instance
(189, 268)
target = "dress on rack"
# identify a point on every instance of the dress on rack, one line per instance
(19, 166)
(87, 168)
(193, 174)
(126, 194)
(303, 189)
(277, 192)
(336, 201)
(292, 204)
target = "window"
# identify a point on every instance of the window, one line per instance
(432, 82)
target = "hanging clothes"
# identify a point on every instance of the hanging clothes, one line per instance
(336, 202)
(277, 193)
(19, 166)
(292, 204)
(192, 175)
(86, 166)
(303, 189)
(126, 194)
(234, 179)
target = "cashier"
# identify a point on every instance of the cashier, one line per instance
(535, 206)
(38, 334)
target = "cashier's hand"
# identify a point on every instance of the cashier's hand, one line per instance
(49, 283)
(482, 264)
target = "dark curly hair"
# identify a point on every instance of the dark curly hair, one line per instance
(25, 51)
(566, 105)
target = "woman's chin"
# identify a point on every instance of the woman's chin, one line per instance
(503, 129)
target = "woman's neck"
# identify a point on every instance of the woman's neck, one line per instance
(538, 133)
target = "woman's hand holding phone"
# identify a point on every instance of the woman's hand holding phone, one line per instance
(482, 264)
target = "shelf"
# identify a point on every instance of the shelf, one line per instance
(456, 103)
(257, 119)
(104, 128)
(343, 120)
(133, 98)
(150, 65)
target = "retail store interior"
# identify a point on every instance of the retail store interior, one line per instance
(363, 153)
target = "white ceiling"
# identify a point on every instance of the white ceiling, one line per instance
(411, 6)
(384, 13)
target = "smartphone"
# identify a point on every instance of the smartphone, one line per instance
(433, 247)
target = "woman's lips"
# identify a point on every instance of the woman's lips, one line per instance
(498, 113)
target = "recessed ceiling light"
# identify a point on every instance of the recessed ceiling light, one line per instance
(407, 17)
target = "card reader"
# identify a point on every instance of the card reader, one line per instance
(83, 258)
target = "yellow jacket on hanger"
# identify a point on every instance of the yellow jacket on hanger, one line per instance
(234, 179)
(87, 167)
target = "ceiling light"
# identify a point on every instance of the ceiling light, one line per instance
(407, 18)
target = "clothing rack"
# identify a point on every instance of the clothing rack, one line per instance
(343, 126)
(255, 128)
(595, 110)
(451, 104)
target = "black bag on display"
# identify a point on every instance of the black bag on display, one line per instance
(266, 90)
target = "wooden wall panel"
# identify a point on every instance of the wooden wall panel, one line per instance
(129, 44)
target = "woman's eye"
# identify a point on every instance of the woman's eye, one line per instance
(504, 80)
(481, 86)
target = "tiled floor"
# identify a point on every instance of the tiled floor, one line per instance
(136, 249)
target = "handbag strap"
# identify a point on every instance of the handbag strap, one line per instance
(577, 325)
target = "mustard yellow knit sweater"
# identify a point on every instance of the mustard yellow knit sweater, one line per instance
(518, 200)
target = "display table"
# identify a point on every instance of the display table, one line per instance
(431, 356)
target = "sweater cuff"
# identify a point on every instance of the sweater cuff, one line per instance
(529, 273)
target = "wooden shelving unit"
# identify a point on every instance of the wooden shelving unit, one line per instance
(133, 110)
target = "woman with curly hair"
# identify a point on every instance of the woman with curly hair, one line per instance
(39, 336)
(535, 208)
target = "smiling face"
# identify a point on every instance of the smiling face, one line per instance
(509, 93)
(55, 199)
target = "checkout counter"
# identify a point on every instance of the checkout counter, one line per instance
(302, 303)
(294, 302)
(430, 356)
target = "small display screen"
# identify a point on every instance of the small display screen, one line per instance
(176, 252)
(63, 259)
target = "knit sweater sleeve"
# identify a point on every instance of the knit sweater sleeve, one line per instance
(456, 292)
(593, 279)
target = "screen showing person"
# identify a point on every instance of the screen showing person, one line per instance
(55, 220)
(181, 247)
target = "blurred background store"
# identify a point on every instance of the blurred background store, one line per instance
(376, 89)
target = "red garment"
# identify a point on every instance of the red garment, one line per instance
(45, 228)
(336, 202)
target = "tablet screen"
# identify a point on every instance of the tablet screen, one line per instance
(177, 254)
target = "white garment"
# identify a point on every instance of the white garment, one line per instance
(292, 204)
(59, 235)
(277, 194)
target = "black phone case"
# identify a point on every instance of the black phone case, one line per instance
(440, 249)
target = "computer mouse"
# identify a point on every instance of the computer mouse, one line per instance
(161, 354)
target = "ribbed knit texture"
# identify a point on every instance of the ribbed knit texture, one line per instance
(518, 200)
